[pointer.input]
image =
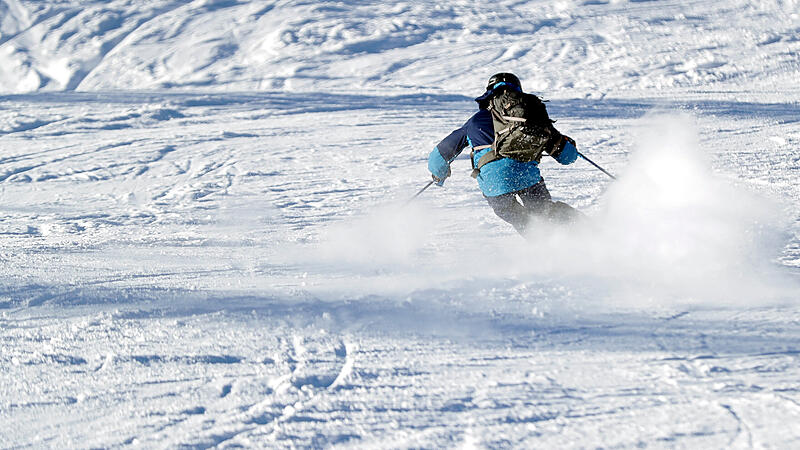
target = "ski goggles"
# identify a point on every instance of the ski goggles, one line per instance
(491, 90)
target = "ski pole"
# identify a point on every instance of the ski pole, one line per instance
(594, 164)
(420, 192)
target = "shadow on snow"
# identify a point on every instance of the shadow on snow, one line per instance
(699, 334)
(310, 102)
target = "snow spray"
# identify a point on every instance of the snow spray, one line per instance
(387, 236)
(671, 230)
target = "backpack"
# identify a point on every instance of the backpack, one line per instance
(522, 129)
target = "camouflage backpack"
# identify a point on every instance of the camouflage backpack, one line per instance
(522, 129)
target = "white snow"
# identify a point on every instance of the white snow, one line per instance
(206, 242)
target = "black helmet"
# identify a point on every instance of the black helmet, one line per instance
(498, 80)
(503, 77)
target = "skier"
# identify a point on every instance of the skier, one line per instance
(514, 189)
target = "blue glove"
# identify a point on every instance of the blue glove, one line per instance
(569, 153)
(440, 169)
(440, 181)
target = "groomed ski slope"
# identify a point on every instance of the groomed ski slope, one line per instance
(205, 239)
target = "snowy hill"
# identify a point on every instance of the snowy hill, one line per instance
(580, 47)
(205, 239)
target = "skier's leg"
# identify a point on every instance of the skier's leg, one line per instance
(561, 212)
(509, 209)
(538, 201)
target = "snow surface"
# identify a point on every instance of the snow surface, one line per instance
(206, 241)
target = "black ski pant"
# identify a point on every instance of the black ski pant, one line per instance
(517, 208)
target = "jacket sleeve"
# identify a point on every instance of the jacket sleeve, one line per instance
(447, 150)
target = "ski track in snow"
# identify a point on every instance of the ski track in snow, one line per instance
(203, 243)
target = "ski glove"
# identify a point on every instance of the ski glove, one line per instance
(439, 168)
(569, 153)
(440, 181)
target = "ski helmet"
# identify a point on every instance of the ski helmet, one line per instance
(503, 77)
(498, 80)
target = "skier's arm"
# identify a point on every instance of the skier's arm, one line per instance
(443, 154)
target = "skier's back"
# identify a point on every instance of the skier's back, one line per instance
(513, 188)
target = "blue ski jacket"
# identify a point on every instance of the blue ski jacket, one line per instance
(498, 177)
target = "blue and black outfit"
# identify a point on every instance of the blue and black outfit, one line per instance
(504, 180)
